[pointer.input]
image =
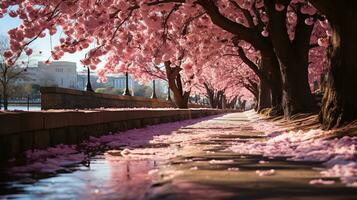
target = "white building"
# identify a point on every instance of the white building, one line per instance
(59, 73)
(62, 73)
(117, 81)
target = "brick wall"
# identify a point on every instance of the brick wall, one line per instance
(63, 98)
(21, 131)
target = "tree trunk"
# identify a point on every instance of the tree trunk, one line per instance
(180, 97)
(210, 95)
(181, 101)
(297, 97)
(231, 104)
(270, 64)
(5, 103)
(264, 100)
(340, 100)
(223, 101)
(216, 98)
(5, 98)
(174, 79)
(293, 60)
(211, 100)
(253, 88)
(268, 72)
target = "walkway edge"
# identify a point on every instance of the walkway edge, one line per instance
(35, 130)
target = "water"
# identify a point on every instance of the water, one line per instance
(23, 107)
(103, 179)
(108, 175)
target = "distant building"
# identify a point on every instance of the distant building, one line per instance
(62, 73)
(32, 75)
(115, 81)
(59, 73)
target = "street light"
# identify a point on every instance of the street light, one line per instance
(126, 91)
(89, 85)
(153, 96)
(168, 94)
(28, 102)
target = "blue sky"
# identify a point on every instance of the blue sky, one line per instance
(42, 44)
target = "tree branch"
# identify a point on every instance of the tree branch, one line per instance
(246, 14)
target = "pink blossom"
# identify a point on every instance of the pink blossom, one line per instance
(265, 33)
(308, 9)
(337, 155)
(265, 172)
(309, 21)
(13, 14)
(279, 7)
(8, 54)
(322, 182)
(323, 42)
(28, 52)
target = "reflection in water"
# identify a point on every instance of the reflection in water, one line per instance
(116, 174)
(129, 178)
(104, 179)
(124, 179)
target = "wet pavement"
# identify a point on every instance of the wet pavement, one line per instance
(191, 162)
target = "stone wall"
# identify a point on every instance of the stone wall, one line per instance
(21, 131)
(63, 98)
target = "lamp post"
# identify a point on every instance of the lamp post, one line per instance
(89, 85)
(168, 94)
(153, 96)
(28, 102)
(126, 91)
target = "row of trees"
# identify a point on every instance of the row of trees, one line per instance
(224, 48)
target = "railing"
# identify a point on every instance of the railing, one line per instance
(27, 103)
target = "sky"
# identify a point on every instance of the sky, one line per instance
(41, 44)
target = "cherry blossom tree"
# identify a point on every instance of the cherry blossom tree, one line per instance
(291, 43)
(226, 77)
(141, 36)
(243, 19)
(288, 25)
(340, 99)
(152, 27)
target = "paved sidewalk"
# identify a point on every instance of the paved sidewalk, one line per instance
(185, 160)
(204, 168)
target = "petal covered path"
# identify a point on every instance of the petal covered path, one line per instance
(235, 156)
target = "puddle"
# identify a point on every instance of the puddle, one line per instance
(103, 179)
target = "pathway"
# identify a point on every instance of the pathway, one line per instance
(191, 162)
(206, 170)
